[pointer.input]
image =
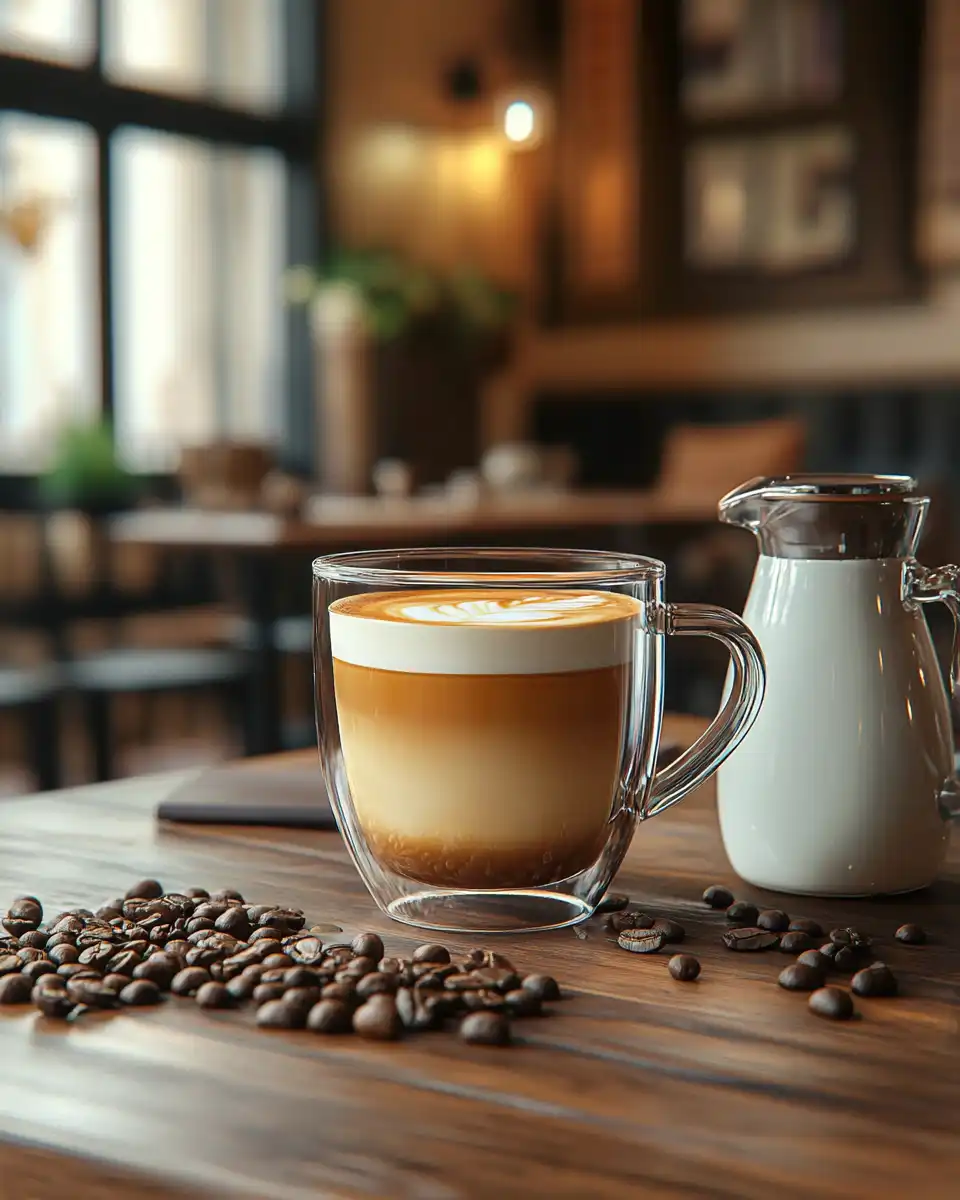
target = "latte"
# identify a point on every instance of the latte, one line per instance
(482, 731)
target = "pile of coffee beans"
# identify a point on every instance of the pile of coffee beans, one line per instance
(225, 953)
(752, 930)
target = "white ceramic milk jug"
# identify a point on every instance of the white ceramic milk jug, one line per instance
(845, 785)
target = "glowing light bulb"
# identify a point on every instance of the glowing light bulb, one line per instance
(519, 121)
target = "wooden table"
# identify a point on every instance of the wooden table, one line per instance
(636, 1086)
(254, 542)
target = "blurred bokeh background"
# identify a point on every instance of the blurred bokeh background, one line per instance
(281, 276)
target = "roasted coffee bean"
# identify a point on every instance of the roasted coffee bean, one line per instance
(521, 1003)
(241, 987)
(123, 963)
(175, 948)
(213, 995)
(68, 923)
(98, 955)
(197, 893)
(188, 981)
(256, 911)
(60, 939)
(34, 970)
(414, 1012)
(813, 958)
(307, 950)
(263, 993)
(9, 963)
(52, 1002)
(800, 977)
(110, 912)
(303, 998)
(369, 945)
(498, 978)
(377, 1019)
(391, 965)
(33, 939)
(28, 955)
(853, 939)
(210, 910)
(640, 941)
(15, 989)
(228, 894)
(429, 981)
(718, 896)
(358, 968)
(672, 931)
(343, 990)
(485, 1029)
(263, 934)
(485, 1000)
(911, 935)
(431, 953)
(684, 967)
(463, 982)
(16, 927)
(875, 980)
(299, 977)
(273, 961)
(329, 1016)
(27, 908)
(619, 922)
(77, 971)
(612, 902)
(91, 992)
(845, 958)
(377, 982)
(159, 969)
(774, 920)
(140, 993)
(198, 925)
(804, 925)
(203, 956)
(64, 953)
(796, 942)
(182, 904)
(491, 958)
(254, 972)
(749, 938)
(276, 1014)
(277, 975)
(544, 987)
(742, 913)
(146, 889)
(235, 922)
(98, 937)
(115, 982)
(832, 1003)
(284, 920)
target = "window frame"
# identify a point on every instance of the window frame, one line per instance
(84, 94)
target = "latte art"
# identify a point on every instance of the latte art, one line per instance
(505, 607)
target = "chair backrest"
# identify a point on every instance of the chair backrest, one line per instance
(713, 459)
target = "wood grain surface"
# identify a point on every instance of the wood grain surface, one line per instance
(636, 1085)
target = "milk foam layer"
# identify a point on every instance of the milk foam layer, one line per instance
(502, 631)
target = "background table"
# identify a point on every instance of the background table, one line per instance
(635, 1086)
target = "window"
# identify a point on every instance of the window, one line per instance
(156, 178)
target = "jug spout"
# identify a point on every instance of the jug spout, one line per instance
(829, 516)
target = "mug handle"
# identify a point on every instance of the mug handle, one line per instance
(739, 710)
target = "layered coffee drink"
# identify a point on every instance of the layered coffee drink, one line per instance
(483, 730)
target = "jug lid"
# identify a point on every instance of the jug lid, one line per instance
(829, 516)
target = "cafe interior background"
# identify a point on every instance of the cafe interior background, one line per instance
(281, 277)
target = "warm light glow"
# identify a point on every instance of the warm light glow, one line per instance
(519, 121)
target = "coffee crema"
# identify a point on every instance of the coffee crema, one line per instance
(482, 731)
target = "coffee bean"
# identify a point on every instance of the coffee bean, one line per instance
(329, 1016)
(188, 981)
(146, 889)
(299, 977)
(209, 910)
(68, 923)
(485, 1029)
(684, 967)
(419, 1012)
(33, 971)
(852, 939)
(283, 920)
(307, 950)
(801, 977)
(97, 955)
(277, 1014)
(742, 913)
(619, 922)
(60, 939)
(368, 945)
(875, 980)
(343, 990)
(52, 1002)
(431, 953)
(109, 912)
(27, 908)
(235, 922)
(376, 983)
(377, 1019)
(717, 896)
(911, 935)
(521, 1003)
(199, 925)
(832, 1003)
(140, 994)
(16, 926)
(197, 893)
(77, 971)
(63, 954)
(241, 987)
(303, 998)
(845, 958)
(91, 993)
(672, 931)
(159, 969)
(9, 963)
(796, 942)
(813, 958)
(263, 934)
(277, 975)
(640, 941)
(750, 938)
(213, 995)
(804, 925)
(774, 920)
(612, 902)
(33, 939)
(273, 961)
(357, 969)
(182, 904)
(544, 987)
(498, 978)
(263, 993)
(15, 989)
(116, 983)
(228, 894)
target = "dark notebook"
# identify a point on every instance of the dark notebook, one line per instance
(286, 792)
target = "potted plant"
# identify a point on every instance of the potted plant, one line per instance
(85, 474)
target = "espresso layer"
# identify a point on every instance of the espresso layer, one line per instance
(461, 779)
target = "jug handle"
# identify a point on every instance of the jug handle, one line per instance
(732, 722)
(924, 585)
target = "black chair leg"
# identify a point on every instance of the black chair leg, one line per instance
(43, 734)
(98, 726)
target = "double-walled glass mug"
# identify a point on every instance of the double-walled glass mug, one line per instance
(488, 723)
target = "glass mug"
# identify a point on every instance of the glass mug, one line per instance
(488, 723)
